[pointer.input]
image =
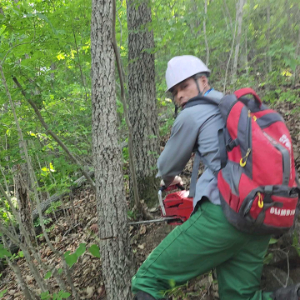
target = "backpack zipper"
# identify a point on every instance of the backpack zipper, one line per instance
(243, 160)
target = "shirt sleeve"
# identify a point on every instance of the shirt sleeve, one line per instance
(179, 147)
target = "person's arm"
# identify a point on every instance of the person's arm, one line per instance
(179, 148)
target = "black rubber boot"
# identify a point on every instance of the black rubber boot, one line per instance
(289, 293)
(144, 296)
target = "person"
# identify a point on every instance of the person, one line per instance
(206, 240)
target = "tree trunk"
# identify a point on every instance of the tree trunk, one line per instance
(110, 197)
(297, 68)
(22, 191)
(228, 14)
(268, 38)
(239, 19)
(205, 35)
(142, 99)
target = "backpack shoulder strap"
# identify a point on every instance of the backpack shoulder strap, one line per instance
(201, 100)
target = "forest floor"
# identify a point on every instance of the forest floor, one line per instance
(70, 228)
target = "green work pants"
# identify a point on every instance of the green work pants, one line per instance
(204, 242)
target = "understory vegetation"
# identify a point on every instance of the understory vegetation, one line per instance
(49, 238)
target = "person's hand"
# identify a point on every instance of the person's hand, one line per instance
(176, 180)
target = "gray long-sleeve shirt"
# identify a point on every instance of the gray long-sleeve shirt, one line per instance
(196, 126)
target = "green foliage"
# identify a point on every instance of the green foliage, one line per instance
(71, 259)
(296, 242)
(48, 275)
(37, 222)
(94, 250)
(5, 210)
(4, 252)
(18, 255)
(176, 292)
(131, 214)
(54, 206)
(56, 296)
(2, 293)
(46, 45)
(273, 241)
(268, 258)
(180, 292)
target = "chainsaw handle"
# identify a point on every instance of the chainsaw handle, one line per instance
(171, 187)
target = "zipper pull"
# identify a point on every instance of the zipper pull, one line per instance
(243, 160)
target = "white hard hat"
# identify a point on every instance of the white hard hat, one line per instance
(183, 67)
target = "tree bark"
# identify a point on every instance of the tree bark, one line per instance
(22, 191)
(297, 69)
(239, 19)
(228, 14)
(142, 106)
(205, 35)
(110, 197)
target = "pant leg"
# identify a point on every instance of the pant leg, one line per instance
(200, 244)
(239, 278)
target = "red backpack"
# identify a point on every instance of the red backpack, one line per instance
(257, 180)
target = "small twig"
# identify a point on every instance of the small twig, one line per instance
(70, 229)
(288, 265)
(4, 58)
(279, 281)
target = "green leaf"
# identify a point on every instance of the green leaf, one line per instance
(67, 254)
(48, 275)
(71, 260)
(4, 252)
(94, 250)
(268, 258)
(45, 295)
(273, 241)
(80, 250)
(64, 295)
(60, 270)
(2, 293)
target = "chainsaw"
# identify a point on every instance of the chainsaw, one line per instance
(175, 209)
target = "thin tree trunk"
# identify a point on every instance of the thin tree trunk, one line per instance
(110, 197)
(246, 53)
(14, 266)
(205, 35)
(229, 58)
(79, 63)
(239, 18)
(297, 68)
(195, 24)
(228, 14)
(32, 267)
(268, 38)
(142, 106)
(22, 189)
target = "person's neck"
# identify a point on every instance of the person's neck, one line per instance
(205, 89)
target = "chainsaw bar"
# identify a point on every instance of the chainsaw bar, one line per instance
(165, 219)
